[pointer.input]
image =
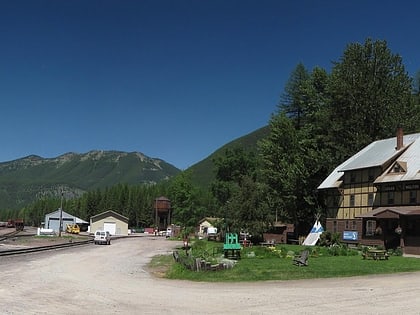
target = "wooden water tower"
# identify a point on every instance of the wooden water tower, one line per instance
(162, 209)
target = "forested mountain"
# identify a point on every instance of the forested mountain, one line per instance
(24, 180)
(101, 180)
(203, 173)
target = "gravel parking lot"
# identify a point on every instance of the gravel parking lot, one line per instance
(114, 280)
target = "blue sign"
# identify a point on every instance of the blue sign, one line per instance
(350, 236)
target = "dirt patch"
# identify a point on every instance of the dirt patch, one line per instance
(159, 265)
(158, 272)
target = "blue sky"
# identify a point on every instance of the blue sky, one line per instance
(173, 79)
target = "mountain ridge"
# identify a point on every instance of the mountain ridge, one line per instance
(25, 179)
(203, 172)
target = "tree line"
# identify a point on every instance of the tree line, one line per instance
(321, 119)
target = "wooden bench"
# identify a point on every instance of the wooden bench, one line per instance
(175, 254)
(375, 254)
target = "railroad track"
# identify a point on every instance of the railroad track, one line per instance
(28, 250)
(14, 234)
(9, 235)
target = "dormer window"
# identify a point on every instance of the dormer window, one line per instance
(399, 167)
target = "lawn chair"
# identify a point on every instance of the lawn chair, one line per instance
(302, 259)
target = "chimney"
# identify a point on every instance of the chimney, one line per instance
(400, 136)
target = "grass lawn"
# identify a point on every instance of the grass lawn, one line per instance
(262, 264)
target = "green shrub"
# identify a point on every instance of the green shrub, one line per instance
(328, 239)
(283, 251)
(334, 250)
(395, 252)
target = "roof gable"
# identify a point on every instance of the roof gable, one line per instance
(64, 215)
(408, 165)
(210, 220)
(387, 214)
(108, 213)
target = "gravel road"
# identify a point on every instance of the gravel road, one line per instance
(114, 280)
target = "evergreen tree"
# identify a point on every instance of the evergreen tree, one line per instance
(370, 96)
(281, 166)
(295, 155)
(416, 84)
(235, 174)
(294, 100)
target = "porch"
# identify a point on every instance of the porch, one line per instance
(392, 227)
(387, 227)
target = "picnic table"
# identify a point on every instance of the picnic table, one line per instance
(268, 244)
(375, 254)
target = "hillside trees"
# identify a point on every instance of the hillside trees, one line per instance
(34, 214)
(140, 204)
(134, 202)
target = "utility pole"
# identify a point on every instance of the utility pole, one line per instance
(61, 214)
(156, 217)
